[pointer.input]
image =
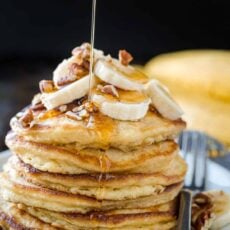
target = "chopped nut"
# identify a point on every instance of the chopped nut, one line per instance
(78, 70)
(86, 65)
(82, 53)
(77, 109)
(73, 116)
(26, 118)
(62, 108)
(125, 57)
(91, 107)
(110, 89)
(83, 113)
(46, 86)
(88, 106)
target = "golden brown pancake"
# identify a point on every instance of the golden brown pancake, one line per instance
(101, 133)
(11, 217)
(67, 159)
(102, 186)
(157, 217)
(17, 190)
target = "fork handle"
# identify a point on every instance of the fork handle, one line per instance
(184, 218)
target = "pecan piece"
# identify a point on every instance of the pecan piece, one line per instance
(82, 53)
(63, 108)
(26, 118)
(78, 71)
(73, 116)
(125, 57)
(46, 86)
(109, 89)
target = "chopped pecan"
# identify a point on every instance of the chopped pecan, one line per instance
(83, 113)
(109, 89)
(62, 108)
(77, 71)
(26, 118)
(72, 115)
(46, 86)
(85, 109)
(91, 107)
(82, 53)
(125, 57)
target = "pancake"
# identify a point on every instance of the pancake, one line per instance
(103, 132)
(14, 218)
(158, 217)
(19, 191)
(67, 159)
(101, 186)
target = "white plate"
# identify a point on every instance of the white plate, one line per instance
(3, 158)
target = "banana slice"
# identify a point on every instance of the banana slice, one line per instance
(125, 111)
(67, 94)
(123, 77)
(162, 100)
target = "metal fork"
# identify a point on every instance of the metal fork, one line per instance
(193, 146)
(194, 149)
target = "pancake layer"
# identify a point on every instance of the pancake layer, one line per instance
(101, 186)
(11, 217)
(14, 190)
(67, 159)
(101, 132)
(157, 217)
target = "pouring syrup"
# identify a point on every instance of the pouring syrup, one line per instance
(91, 74)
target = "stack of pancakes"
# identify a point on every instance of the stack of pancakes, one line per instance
(105, 174)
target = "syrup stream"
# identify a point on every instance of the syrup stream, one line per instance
(92, 48)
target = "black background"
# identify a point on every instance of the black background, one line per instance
(36, 35)
(51, 28)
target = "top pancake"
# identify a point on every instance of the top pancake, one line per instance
(101, 132)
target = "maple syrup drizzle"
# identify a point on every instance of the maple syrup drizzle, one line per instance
(92, 48)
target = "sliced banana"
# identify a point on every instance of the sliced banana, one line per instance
(121, 110)
(162, 101)
(123, 77)
(66, 94)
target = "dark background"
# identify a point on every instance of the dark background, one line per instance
(36, 35)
